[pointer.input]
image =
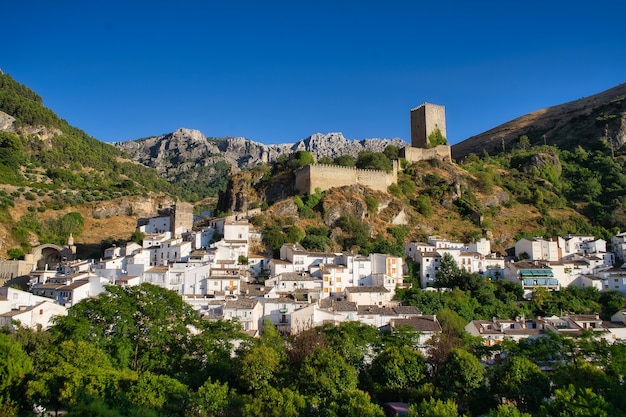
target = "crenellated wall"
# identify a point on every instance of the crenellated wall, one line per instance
(321, 176)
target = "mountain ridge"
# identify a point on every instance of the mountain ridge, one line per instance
(240, 152)
(558, 125)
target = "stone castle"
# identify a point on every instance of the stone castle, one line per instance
(425, 119)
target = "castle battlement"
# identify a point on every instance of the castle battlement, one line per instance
(324, 176)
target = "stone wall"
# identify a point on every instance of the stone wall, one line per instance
(12, 269)
(441, 152)
(321, 176)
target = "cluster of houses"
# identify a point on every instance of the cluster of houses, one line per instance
(218, 272)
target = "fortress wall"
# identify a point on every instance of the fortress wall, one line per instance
(321, 176)
(376, 180)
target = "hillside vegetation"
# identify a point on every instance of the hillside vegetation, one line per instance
(46, 164)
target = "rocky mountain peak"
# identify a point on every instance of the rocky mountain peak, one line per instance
(189, 147)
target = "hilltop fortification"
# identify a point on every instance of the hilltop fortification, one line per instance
(425, 119)
(311, 177)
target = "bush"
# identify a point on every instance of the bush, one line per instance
(16, 253)
(423, 206)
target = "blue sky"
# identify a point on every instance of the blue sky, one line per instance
(279, 71)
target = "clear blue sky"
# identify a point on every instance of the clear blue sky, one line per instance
(279, 71)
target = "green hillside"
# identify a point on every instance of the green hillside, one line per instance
(45, 152)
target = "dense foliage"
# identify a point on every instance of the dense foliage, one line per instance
(141, 351)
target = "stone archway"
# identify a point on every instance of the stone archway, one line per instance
(48, 256)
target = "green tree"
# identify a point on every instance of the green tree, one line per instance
(273, 402)
(434, 408)
(274, 238)
(352, 340)
(15, 367)
(577, 402)
(345, 161)
(505, 411)
(424, 206)
(211, 400)
(352, 403)
(300, 159)
(448, 272)
(373, 160)
(71, 371)
(161, 393)
(460, 375)
(395, 372)
(15, 253)
(137, 237)
(257, 368)
(293, 234)
(523, 142)
(436, 138)
(324, 374)
(147, 328)
(521, 382)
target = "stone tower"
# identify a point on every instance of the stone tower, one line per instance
(181, 218)
(425, 119)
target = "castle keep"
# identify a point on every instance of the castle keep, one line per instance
(425, 119)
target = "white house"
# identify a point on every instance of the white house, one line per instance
(155, 225)
(291, 281)
(537, 249)
(368, 295)
(17, 298)
(334, 311)
(389, 266)
(618, 246)
(76, 291)
(425, 326)
(170, 251)
(40, 314)
(380, 316)
(258, 263)
(614, 279)
(248, 312)
(224, 279)
(412, 249)
(280, 266)
(429, 265)
(281, 311)
(482, 246)
(496, 330)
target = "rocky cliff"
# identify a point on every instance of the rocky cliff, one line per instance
(186, 148)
